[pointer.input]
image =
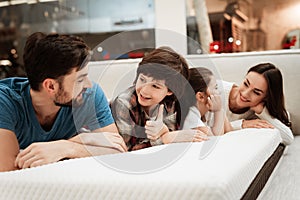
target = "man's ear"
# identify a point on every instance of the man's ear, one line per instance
(50, 85)
(201, 96)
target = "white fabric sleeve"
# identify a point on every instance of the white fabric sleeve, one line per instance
(193, 119)
(237, 124)
(285, 132)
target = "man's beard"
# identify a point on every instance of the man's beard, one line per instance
(67, 104)
(75, 103)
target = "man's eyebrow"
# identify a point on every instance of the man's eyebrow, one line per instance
(82, 75)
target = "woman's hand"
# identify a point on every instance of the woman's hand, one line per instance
(256, 123)
(258, 108)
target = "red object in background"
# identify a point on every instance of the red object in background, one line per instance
(215, 47)
(290, 42)
(136, 54)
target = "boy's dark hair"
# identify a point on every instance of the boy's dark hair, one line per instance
(53, 56)
(165, 64)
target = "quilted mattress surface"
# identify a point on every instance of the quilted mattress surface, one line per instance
(221, 168)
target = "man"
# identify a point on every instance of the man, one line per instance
(41, 115)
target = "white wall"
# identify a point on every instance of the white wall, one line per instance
(278, 19)
(170, 25)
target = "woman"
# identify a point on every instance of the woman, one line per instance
(259, 101)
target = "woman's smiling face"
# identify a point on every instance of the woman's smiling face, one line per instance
(252, 91)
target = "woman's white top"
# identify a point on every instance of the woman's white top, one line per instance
(236, 119)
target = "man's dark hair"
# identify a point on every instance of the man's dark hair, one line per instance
(53, 56)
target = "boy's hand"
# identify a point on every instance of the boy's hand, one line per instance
(154, 128)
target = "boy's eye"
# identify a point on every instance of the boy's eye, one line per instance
(80, 80)
(142, 79)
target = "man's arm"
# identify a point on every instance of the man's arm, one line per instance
(107, 136)
(9, 149)
(110, 128)
(82, 145)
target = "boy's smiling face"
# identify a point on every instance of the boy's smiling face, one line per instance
(150, 91)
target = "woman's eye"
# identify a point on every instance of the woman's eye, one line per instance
(80, 81)
(245, 83)
(257, 93)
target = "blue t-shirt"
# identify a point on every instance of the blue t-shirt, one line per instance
(17, 113)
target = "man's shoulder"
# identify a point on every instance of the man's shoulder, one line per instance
(13, 87)
(14, 83)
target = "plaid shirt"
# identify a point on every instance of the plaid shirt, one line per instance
(131, 118)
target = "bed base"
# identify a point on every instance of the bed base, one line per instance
(263, 175)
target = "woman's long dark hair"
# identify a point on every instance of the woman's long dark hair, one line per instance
(274, 101)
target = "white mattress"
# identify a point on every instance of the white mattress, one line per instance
(221, 168)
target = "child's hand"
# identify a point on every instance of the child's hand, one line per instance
(200, 136)
(189, 135)
(155, 128)
(214, 103)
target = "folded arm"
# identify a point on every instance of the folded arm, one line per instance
(184, 136)
(102, 141)
(285, 132)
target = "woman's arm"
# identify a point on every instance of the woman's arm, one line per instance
(285, 132)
